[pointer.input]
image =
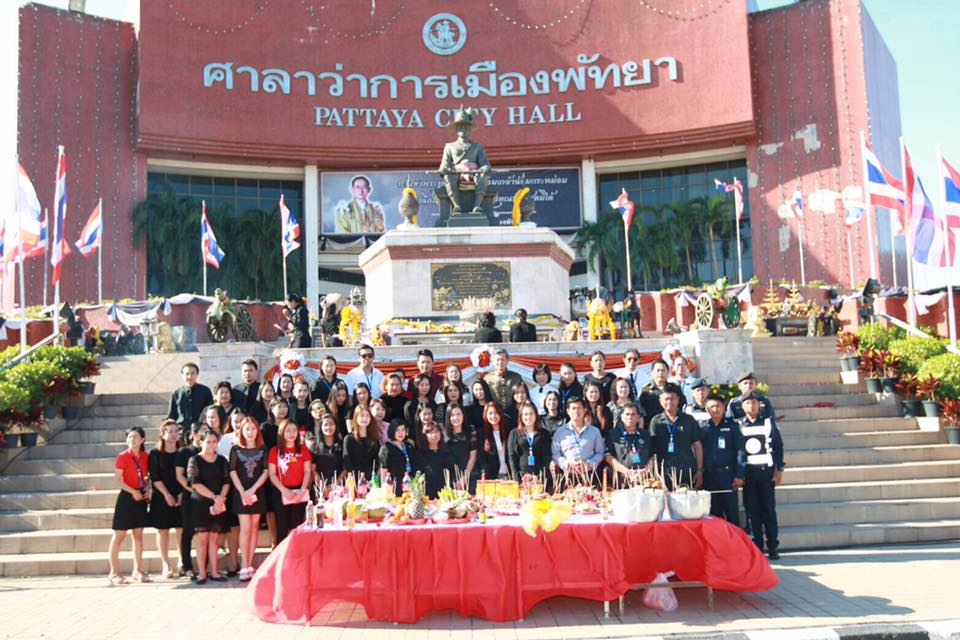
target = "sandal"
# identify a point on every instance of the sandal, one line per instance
(117, 579)
(142, 576)
(246, 574)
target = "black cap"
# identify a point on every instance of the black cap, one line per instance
(753, 395)
(748, 376)
(699, 382)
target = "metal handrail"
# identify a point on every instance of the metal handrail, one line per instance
(26, 354)
(912, 330)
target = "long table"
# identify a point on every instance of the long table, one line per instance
(495, 571)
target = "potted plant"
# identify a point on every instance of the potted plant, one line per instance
(889, 370)
(907, 387)
(927, 391)
(847, 344)
(951, 420)
(870, 365)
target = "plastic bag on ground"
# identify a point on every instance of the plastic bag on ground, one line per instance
(661, 598)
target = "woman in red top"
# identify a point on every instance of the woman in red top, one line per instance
(130, 514)
(291, 467)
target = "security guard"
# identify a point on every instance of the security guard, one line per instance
(700, 390)
(748, 384)
(676, 440)
(762, 453)
(722, 470)
(628, 445)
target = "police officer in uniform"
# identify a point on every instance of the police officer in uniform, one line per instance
(762, 453)
(700, 390)
(748, 384)
(722, 470)
(628, 446)
(676, 440)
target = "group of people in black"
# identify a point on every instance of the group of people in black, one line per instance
(232, 456)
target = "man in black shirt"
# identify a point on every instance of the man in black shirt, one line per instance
(245, 393)
(723, 472)
(628, 446)
(676, 440)
(188, 402)
(650, 392)
(522, 331)
(748, 384)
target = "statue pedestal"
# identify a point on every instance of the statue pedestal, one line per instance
(466, 218)
(437, 273)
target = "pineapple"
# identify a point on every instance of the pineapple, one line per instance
(417, 493)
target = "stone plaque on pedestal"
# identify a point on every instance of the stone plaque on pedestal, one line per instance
(437, 273)
(455, 286)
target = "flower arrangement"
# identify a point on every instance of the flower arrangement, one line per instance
(847, 342)
(870, 363)
(482, 358)
(927, 388)
(951, 412)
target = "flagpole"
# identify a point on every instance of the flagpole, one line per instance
(736, 223)
(853, 280)
(46, 256)
(951, 313)
(911, 303)
(284, 275)
(56, 227)
(893, 248)
(100, 256)
(626, 238)
(803, 270)
(866, 195)
(23, 295)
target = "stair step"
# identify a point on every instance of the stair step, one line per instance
(827, 413)
(14, 521)
(783, 390)
(873, 455)
(837, 399)
(56, 482)
(847, 425)
(92, 563)
(124, 399)
(58, 500)
(119, 422)
(82, 541)
(56, 451)
(802, 441)
(871, 472)
(874, 490)
(865, 511)
(825, 536)
(798, 376)
(121, 410)
(103, 436)
(71, 466)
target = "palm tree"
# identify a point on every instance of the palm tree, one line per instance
(684, 215)
(715, 214)
(171, 226)
(603, 239)
(256, 236)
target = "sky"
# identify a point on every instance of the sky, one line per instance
(923, 36)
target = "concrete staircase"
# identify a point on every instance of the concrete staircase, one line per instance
(857, 473)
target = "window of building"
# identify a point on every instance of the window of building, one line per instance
(653, 191)
(245, 217)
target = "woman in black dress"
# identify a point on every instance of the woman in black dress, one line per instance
(298, 327)
(317, 411)
(528, 448)
(396, 457)
(421, 395)
(450, 395)
(248, 472)
(327, 452)
(422, 420)
(520, 395)
(132, 475)
(434, 461)
(338, 404)
(461, 440)
(223, 400)
(165, 502)
(209, 482)
(300, 410)
(597, 412)
(362, 445)
(552, 418)
(621, 394)
(569, 386)
(285, 389)
(260, 410)
(361, 397)
(481, 396)
(393, 398)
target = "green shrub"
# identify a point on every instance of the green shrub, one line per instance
(946, 369)
(876, 337)
(913, 351)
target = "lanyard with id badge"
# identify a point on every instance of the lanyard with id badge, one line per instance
(531, 461)
(634, 454)
(672, 429)
(406, 456)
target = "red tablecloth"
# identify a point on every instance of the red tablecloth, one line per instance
(495, 571)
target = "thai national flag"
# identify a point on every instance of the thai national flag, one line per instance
(92, 232)
(951, 209)
(924, 241)
(41, 247)
(624, 207)
(212, 254)
(60, 248)
(882, 188)
(796, 204)
(289, 229)
(737, 189)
